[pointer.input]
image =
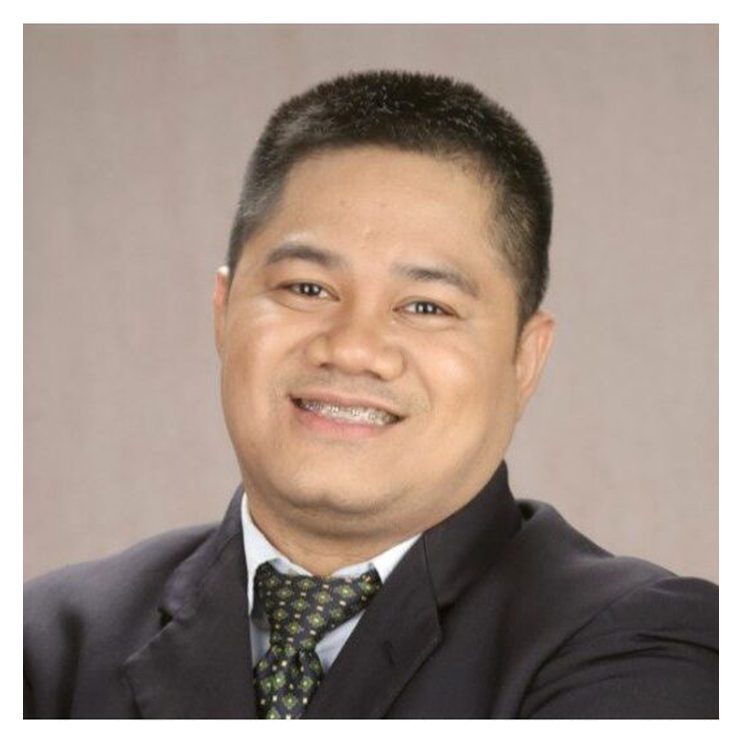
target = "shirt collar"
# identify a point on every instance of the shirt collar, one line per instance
(259, 550)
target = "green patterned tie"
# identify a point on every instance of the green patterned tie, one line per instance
(301, 610)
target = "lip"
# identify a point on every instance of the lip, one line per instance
(332, 398)
(332, 429)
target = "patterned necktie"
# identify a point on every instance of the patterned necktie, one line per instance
(301, 610)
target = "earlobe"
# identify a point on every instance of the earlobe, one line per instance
(219, 304)
(533, 350)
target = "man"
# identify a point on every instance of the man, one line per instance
(379, 331)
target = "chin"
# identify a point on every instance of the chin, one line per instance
(341, 496)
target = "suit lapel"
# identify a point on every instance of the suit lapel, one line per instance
(199, 664)
(401, 627)
(396, 634)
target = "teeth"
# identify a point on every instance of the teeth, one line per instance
(371, 416)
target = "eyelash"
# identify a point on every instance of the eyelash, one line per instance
(297, 288)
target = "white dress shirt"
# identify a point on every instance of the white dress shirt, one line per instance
(259, 550)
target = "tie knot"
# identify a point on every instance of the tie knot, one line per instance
(302, 609)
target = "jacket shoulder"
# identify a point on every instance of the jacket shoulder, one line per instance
(82, 621)
(635, 639)
(96, 582)
(573, 575)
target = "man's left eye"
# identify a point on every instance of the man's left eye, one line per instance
(423, 307)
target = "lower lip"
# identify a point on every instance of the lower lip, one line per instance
(339, 429)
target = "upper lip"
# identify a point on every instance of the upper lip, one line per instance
(333, 398)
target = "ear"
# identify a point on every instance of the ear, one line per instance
(219, 304)
(533, 350)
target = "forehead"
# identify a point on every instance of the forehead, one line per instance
(375, 174)
(385, 190)
(404, 200)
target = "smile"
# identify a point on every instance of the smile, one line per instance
(350, 414)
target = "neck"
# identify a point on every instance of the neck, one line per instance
(321, 554)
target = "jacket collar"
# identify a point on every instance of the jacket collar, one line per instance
(186, 578)
(199, 664)
(469, 541)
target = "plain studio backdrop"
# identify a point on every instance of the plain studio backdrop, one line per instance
(136, 138)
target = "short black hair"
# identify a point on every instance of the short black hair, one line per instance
(424, 113)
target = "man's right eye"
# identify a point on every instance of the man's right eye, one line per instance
(307, 289)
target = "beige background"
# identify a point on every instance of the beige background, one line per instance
(136, 138)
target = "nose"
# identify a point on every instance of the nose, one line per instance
(357, 345)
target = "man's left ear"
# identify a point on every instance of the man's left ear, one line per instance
(533, 350)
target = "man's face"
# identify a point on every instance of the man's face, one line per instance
(372, 372)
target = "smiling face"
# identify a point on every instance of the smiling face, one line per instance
(372, 371)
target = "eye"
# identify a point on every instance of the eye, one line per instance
(425, 307)
(307, 289)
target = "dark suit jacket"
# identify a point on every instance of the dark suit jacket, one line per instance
(502, 610)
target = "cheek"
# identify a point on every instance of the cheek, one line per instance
(471, 378)
(258, 345)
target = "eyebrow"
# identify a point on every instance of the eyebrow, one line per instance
(328, 259)
(302, 252)
(439, 274)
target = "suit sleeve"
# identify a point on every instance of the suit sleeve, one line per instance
(653, 653)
